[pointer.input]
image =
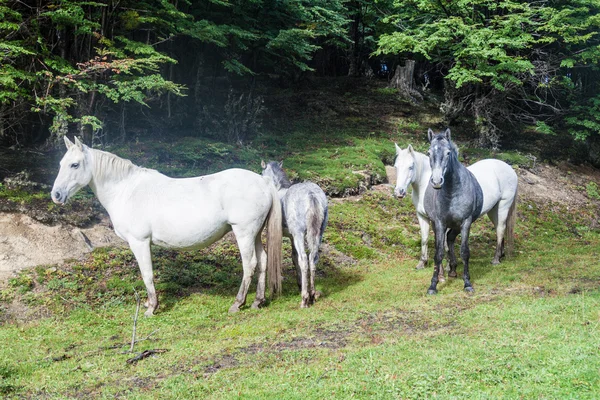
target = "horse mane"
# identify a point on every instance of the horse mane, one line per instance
(281, 178)
(108, 165)
(451, 144)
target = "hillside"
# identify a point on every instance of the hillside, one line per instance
(530, 330)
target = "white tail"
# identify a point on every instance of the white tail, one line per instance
(274, 240)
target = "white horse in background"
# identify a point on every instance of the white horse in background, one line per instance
(498, 182)
(146, 207)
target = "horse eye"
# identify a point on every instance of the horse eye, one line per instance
(75, 165)
(411, 168)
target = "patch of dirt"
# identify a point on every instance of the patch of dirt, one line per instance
(335, 257)
(25, 242)
(564, 184)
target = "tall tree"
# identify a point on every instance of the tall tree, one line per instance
(506, 62)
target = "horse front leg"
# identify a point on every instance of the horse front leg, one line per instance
(440, 240)
(424, 224)
(141, 251)
(451, 236)
(465, 254)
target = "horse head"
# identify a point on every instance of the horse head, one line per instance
(274, 170)
(75, 172)
(441, 152)
(406, 174)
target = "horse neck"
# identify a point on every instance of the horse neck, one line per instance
(109, 172)
(423, 172)
(452, 178)
(283, 182)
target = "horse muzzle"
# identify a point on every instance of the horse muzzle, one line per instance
(437, 184)
(58, 197)
(400, 193)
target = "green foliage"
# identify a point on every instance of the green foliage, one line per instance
(592, 190)
(509, 57)
(584, 119)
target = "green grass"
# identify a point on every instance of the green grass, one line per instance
(531, 329)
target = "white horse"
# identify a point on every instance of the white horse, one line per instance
(146, 207)
(498, 182)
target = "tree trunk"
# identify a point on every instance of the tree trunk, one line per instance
(354, 68)
(404, 81)
(403, 78)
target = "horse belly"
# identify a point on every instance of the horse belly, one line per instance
(189, 225)
(189, 237)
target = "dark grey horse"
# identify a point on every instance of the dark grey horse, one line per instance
(304, 219)
(453, 200)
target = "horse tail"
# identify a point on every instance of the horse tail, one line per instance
(509, 233)
(274, 241)
(316, 221)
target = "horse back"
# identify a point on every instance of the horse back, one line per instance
(190, 212)
(300, 202)
(498, 182)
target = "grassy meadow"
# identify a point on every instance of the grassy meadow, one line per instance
(530, 330)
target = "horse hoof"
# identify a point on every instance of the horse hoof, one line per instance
(234, 308)
(495, 262)
(304, 304)
(420, 265)
(257, 304)
(432, 291)
(469, 289)
(316, 295)
(149, 313)
(452, 274)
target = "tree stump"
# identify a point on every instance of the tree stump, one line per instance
(404, 81)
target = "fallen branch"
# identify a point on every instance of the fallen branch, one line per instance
(145, 354)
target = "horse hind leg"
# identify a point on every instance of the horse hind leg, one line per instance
(498, 216)
(296, 265)
(141, 251)
(246, 244)
(313, 259)
(298, 239)
(260, 299)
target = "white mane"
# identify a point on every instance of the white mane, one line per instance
(109, 166)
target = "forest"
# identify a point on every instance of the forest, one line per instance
(345, 97)
(200, 67)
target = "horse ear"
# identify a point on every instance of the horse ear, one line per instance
(68, 143)
(411, 149)
(78, 143)
(262, 164)
(281, 164)
(430, 134)
(447, 133)
(398, 149)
